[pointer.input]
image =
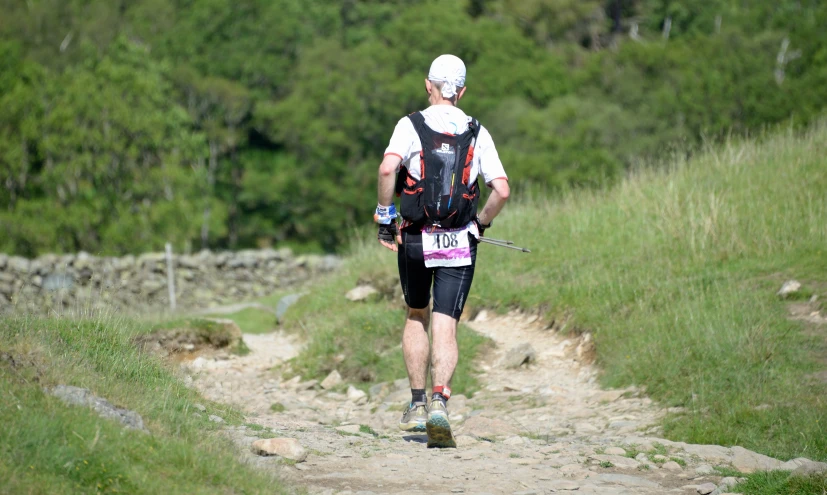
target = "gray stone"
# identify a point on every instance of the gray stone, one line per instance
(706, 488)
(672, 466)
(747, 461)
(615, 451)
(355, 395)
(728, 482)
(18, 264)
(216, 419)
(626, 480)
(200, 407)
(559, 484)
(289, 448)
(83, 397)
(332, 380)
(519, 355)
(809, 468)
(713, 453)
(704, 469)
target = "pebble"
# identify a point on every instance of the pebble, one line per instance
(672, 466)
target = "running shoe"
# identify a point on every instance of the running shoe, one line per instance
(438, 427)
(415, 417)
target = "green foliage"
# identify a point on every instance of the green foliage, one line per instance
(213, 124)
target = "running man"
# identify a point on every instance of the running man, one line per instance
(428, 253)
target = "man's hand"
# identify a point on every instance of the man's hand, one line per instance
(389, 236)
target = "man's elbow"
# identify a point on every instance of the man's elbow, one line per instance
(502, 189)
(388, 167)
(385, 171)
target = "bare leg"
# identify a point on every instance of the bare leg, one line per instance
(445, 351)
(415, 346)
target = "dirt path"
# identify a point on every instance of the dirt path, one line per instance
(542, 428)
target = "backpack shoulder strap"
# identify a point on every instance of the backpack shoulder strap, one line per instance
(418, 121)
(474, 125)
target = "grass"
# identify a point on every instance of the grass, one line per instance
(50, 447)
(782, 483)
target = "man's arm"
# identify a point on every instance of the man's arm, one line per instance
(387, 178)
(387, 183)
(496, 201)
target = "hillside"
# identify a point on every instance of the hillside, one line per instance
(673, 272)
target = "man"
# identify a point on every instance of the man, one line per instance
(428, 253)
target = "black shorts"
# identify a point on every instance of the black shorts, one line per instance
(451, 284)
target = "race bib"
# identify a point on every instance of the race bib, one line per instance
(446, 247)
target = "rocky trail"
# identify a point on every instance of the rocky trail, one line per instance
(542, 427)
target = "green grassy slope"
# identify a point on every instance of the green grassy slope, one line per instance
(50, 447)
(674, 272)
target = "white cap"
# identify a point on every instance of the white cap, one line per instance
(451, 70)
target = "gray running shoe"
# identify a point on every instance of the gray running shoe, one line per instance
(414, 417)
(438, 427)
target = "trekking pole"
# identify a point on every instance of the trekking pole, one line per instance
(499, 241)
(501, 244)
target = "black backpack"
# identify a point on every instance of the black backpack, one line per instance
(442, 197)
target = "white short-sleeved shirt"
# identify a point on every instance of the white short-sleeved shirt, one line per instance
(446, 118)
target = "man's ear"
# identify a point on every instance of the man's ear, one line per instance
(428, 86)
(461, 92)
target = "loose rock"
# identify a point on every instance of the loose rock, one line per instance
(706, 488)
(789, 287)
(361, 293)
(356, 395)
(519, 355)
(332, 380)
(289, 448)
(83, 397)
(748, 461)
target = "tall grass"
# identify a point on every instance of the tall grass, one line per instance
(50, 447)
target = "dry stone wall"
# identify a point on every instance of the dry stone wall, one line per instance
(82, 282)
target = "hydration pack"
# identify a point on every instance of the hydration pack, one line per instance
(442, 197)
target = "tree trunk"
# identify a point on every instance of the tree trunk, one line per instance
(234, 210)
(211, 169)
